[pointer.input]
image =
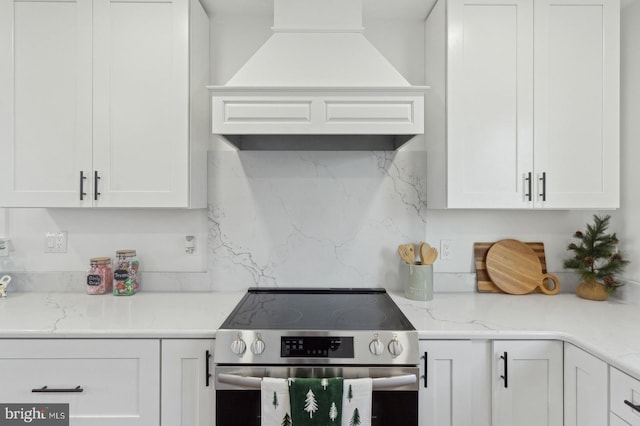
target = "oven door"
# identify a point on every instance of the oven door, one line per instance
(394, 398)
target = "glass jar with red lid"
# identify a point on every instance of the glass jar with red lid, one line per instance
(125, 274)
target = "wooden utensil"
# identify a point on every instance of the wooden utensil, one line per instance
(422, 251)
(429, 256)
(407, 252)
(515, 269)
(483, 281)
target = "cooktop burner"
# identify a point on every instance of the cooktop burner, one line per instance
(317, 309)
(274, 326)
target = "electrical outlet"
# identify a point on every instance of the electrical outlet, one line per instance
(55, 242)
(446, 250)
(190, 245)
(4, 247)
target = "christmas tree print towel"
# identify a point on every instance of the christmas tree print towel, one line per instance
(356, 402)
(316, 401)
(276, 410)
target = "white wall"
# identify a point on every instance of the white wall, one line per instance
(157, 235)
(627, 218)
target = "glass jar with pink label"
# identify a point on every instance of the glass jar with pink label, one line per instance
(99, 277)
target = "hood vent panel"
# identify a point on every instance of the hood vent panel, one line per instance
(318, 75)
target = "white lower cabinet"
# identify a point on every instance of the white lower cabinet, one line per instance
(624, 398)
(446, 387)
(585, 388)
(617, 421)
(104, 381)
(527, 383)
(491, 383)
(188, 394)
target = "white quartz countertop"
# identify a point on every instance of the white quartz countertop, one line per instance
(609, 330)
(143, 315)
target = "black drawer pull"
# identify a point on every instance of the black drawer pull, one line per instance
(207, 372)
(505, 377)
(632, 405)
(426, 371)
(96, 178)
(47, 389)
(543, 179)
(82, 179)
(528, 180)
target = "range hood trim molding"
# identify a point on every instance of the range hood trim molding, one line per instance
(317, 111)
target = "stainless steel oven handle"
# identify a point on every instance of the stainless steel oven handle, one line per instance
(379, 383)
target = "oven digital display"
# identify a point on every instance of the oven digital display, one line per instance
(316, 347)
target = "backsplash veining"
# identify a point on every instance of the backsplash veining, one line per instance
(312, 218)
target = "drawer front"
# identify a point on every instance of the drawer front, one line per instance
(624, 388)
(119, 379)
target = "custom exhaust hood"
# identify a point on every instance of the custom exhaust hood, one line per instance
(317, 84)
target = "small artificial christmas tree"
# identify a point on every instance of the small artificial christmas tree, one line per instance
(596, 259)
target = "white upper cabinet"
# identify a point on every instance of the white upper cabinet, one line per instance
(103, 103)
(577, 103)
(45, 101)
(523, 110)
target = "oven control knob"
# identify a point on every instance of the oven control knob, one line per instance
(395, 347)
(257, 347)
(238, 347)
(376, 346)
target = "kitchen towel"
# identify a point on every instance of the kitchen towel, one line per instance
(276, 410)
(316, 401)
(356, 402)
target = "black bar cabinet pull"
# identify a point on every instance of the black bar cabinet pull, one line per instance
(544, 186)
(632, 405)
(528, 180)
(506, 374)
(206, 366)
(82, 179)
(46, 389)
(425, 376)
(95, 186)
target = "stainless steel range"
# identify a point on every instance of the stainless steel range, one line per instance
(291, 332)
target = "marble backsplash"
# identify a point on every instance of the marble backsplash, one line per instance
(312, 219)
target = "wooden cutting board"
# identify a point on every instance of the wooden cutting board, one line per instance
(483, 281)
(515, 269)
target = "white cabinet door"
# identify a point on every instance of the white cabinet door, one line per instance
(119, 379)
(188, 394)
(585, 388)
(624, 396)
(445, 392)
(527, 383)
(141, 101)
(617, 421)
(490, 102)
(529, 92)
(103, 103)
(45, 101)
(577, 69)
